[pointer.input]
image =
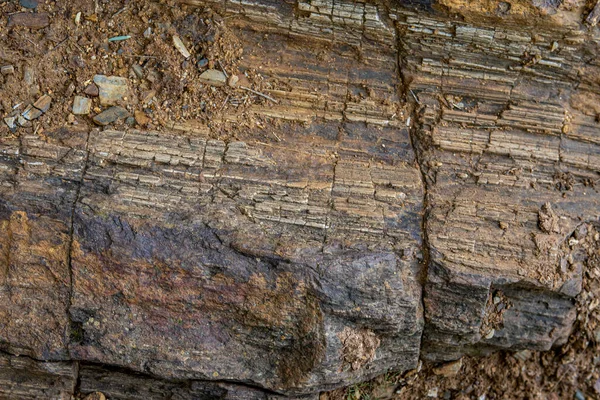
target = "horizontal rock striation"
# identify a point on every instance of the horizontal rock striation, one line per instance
(501, 137)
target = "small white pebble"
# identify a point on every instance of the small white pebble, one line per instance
(180, 46)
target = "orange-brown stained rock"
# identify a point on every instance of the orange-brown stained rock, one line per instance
(34, 284)
(141, 118)
(182, 237)
(495, 155)
(166, 310)
(223, 278)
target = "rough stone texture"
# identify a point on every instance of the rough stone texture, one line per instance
(457, 155)
(112, 89)
(190, 250)
(501, 146)
(81, 105)
(23, 378)
(29, 20)
(110, 115)
(37, 192)
(122, 384)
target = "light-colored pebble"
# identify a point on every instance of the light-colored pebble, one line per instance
(82, 105)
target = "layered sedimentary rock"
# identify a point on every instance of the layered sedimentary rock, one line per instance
(25, 378)
(187, 262)
(288, 263)
(449, 149)
(39, 184)
(510, 156)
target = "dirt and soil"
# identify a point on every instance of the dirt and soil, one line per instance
(61, 61)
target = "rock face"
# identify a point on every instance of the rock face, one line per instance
(502, 139)
(39, 182)
(420, 202)
(24, 378)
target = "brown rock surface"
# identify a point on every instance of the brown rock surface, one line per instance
(24, 378)
(494, 151)
(37, 194)
(398, 183)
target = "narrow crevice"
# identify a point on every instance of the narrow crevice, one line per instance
(76, 389)
(330, 204)
(79, 365)
(110, 368)
(72, 331)
(417, 145)
(6, 352)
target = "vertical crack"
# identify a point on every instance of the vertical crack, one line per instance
(77, 388)
(70, 327)
(417, 145)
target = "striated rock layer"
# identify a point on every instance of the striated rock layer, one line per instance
(421, 196)
(511, 158)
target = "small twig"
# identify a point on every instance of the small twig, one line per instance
(223, 69)
(119, 12)
(224, 103)
(260, 94)
(29, 40)
(139, 56)
(413, 94)
(59, 44)
(278, 138)
(78, 47)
